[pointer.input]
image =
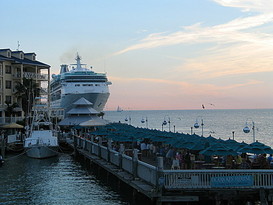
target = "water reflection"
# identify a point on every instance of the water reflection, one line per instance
(56, 180)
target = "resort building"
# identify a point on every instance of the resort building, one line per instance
(20, 70)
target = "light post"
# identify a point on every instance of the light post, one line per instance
(247, 129)
(145, 120)
(165, 122)
(233, 134)
(128, 119)
(196, 125)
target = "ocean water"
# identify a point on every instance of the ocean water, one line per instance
(217, 123)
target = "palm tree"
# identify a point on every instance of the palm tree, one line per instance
(10, 109)
(27, 91)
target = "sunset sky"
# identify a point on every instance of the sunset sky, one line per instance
(159, 54)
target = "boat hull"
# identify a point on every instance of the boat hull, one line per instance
(42, 152)
(98, 99)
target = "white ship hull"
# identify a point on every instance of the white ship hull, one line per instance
(98, 99)
(42, 152)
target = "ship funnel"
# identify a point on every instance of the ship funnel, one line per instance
(64, 69)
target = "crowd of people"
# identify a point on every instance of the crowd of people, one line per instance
(175, 158)
(188, 159)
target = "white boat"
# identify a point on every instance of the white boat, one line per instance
(41, 141)
(74, 83)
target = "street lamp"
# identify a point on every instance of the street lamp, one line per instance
(196, 125)
(128, 119)
(165, 122)
(145, 120)
(247, 129)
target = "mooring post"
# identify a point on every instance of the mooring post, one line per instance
(263, 198)
(270, 196)
(135, 162)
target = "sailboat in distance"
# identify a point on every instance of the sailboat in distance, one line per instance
(119, 109)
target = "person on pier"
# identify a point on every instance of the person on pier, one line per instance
(269, 158)
(187, 160)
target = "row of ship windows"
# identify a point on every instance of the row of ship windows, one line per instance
(77, 85)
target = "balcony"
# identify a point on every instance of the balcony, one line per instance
(30, 75)
(17, 75)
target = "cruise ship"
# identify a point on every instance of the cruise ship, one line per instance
(77, 81)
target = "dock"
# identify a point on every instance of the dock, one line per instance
(166, 186)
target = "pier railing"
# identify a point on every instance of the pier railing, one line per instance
(140, 169)
(213, 179)
(182, 179)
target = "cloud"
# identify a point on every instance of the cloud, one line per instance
(235, 60)
(263, 6)
(224, 33)
(237, 47)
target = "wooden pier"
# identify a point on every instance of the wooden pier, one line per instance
(159, 186)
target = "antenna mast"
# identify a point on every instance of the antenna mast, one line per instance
(18, 45)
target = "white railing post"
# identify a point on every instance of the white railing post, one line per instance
(75, 146)
(85, 144)
(91, 144)
(99, 148)
(160, 181)
(121, 151)
(109, 145)
(134, 162)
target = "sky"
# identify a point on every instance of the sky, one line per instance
(158, 54)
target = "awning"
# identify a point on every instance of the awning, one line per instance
(13, 125)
